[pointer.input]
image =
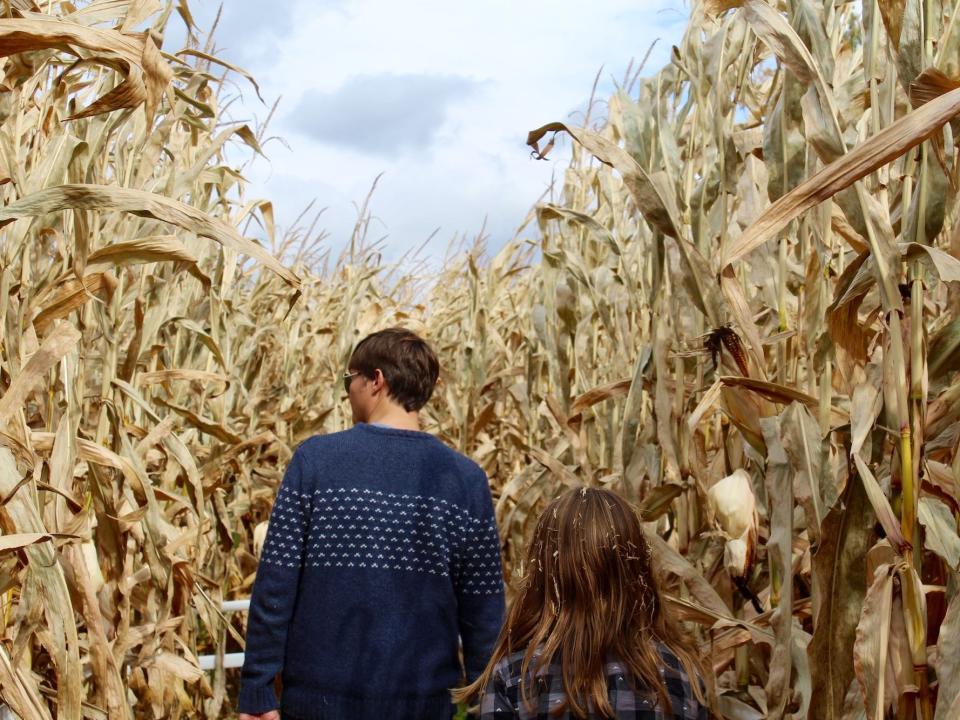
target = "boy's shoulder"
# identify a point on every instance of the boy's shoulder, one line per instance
(346, 440)
(320, 445)
(464, 464)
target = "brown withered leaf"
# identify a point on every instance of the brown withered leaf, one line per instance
(743, 410)
(146, 73)
(930, 84)
(60, 638)
(618, 388)
(892, 13)
(718, 7)
(673, 562)
(779, 485)
(940, 528)
(71, 295)
(165, 376)
(57, 344)
(19, 540)
(846, 535)
(102, 197)
(20, 691)
(654, 200)
(784, 395)
(658, 501)
(193, 52)
(948, 663)
(130, 93)
(883, 147)
(871, 648)
(813, 485)
(864, 409)
(944, 265)
(843, 319)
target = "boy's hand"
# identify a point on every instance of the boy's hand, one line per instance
(272, 715)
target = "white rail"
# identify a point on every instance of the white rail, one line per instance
(235, 605)
(230, 660)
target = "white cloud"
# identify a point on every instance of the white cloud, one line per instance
(451, 150)
(383, 114)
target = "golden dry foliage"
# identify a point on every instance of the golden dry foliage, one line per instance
(740, 308)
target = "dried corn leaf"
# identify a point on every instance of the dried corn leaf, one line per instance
(144, 204)
(863, 414)
(19, 540)
(941, 530)
(944, 265)
(60, 638)
(193, 52)
(654, 201)
(871, 649)
(63, 339)
(147, 73)
(784, 395)
(22, 695)
(71, 295)
(948, 663)
(885, 146)
(846, 536)
(596, 395)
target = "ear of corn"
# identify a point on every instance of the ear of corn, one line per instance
(734, 505)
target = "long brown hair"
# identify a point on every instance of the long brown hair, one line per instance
(589, 590)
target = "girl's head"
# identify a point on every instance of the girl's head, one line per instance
(588, 591)
(587, 571)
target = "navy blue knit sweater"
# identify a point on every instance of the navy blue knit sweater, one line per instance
(382, 552)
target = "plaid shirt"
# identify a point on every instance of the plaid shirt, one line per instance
(502, 698)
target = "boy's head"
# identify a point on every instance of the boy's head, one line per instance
(393, 366)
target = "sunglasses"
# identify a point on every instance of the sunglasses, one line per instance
(347, 378)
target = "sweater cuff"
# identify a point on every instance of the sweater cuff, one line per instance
(255, 700)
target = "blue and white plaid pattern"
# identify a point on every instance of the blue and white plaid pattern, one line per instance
(502, 698)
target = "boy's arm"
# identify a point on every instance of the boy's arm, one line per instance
(274, 593)
(478, 583)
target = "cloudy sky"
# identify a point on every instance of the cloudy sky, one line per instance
(436, 96)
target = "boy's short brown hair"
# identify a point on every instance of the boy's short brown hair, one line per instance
(406, 360)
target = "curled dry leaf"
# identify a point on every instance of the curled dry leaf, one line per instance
(887, 145)
(102, 197)
(19, 540)
(147, 74)
(948, 664)
(63, 339)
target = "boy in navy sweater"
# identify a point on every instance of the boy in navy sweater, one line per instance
(381, 557)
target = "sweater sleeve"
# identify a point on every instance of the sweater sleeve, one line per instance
(274, 592)
(478, 581)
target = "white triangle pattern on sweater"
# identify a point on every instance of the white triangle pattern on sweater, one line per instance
(366, 529)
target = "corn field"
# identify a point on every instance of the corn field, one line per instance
(740, 307)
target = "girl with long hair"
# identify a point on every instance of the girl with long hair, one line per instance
(588, 635)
